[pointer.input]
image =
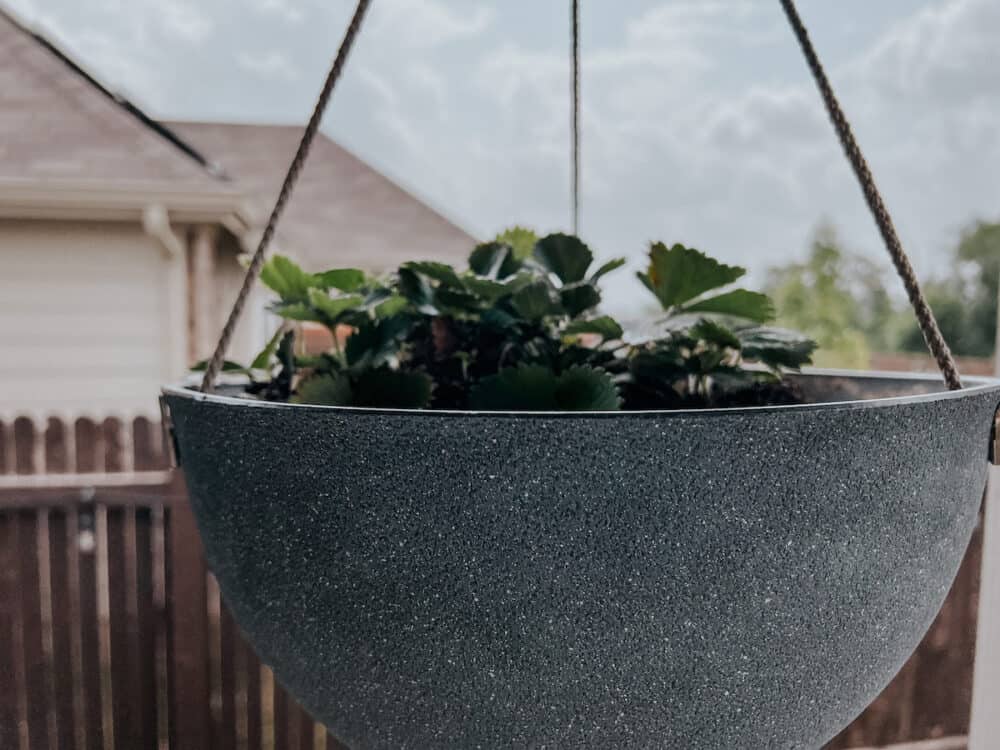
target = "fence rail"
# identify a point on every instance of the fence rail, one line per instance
(113, 633)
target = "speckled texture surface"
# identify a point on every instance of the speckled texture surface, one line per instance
(749, 579)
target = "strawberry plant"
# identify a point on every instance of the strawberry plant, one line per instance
(521, 329)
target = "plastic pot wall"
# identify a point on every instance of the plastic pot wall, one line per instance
(746, 578)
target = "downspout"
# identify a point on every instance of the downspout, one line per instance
(156, 224)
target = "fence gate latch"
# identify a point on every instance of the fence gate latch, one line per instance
(169, 438)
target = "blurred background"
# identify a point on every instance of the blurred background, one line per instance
(142, 144)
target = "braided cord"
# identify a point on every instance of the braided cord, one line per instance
(294, 169)
(925, 317)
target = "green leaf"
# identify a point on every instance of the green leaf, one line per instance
(486, 289)
(344, 279)
(578, 298)
(739, 303)
(605, 327)
(776, 347)
(415, 288)
(494, 260)
(521, 240)
(374, 342)
(227, 366)
(564, 255)
(447, 299)
(607, 268)
(440, 272)
(287, 279)
(392, 389)
(537, 388)
(333, 308)
(584, 388)
(715, 333)
(393, 305)
(498, 319)
(263, 360)
(534, 301)
(328, 389)
(679, 274)
(300, 311)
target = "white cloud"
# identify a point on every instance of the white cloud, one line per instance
(185, 21)
(272, 64)
(428, 23)
(289, 11)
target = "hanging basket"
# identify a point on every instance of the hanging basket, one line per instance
(739, 578)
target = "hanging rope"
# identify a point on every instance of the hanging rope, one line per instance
(925, 317)
(257, 262)
(575, 55)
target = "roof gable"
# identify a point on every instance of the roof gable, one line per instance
(58, 123)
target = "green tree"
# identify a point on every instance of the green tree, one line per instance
(837, 298)
(965, 300)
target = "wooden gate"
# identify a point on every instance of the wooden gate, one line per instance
(112, 633)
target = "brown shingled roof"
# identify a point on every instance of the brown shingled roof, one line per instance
(58, 123)
(343, 212)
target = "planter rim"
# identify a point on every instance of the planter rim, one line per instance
(973, 386)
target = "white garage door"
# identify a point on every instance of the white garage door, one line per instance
(85, 314)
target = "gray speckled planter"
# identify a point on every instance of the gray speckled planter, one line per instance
(748, 578)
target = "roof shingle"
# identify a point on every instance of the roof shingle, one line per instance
(343, 212)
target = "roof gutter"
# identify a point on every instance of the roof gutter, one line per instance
(125, 201)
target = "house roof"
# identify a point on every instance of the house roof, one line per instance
(342, 213)
(58, 123)
(63, 133)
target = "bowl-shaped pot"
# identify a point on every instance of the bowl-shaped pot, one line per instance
(743, 578)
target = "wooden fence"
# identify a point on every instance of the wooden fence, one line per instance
(112, 633)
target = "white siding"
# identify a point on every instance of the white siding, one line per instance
(86, 320)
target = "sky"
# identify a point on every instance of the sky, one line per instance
(701, 124)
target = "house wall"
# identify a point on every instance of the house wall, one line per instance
(215, 276)
(88, 314)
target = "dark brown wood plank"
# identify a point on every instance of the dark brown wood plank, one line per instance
(124, 619)
(56, 449)
(90, 655)
(159, 525)
(43, 543)
(303, 724)
(104, 625)
(87, 441)
(24, 447)
(189, 678)
(114, 446)
(74, 605)
(147, 445)
(6, 448)
(281, 713)
(228, 673)
(63, 629)
(251, 672)
(144, 667)
(31, 632)
(11, 653)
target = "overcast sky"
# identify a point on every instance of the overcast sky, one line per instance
(700, 123)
